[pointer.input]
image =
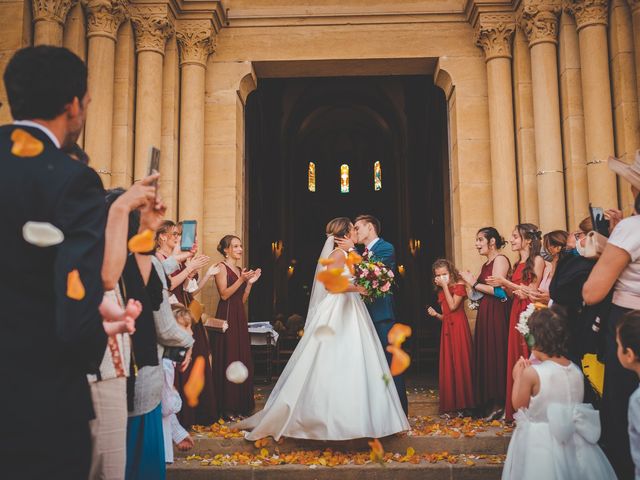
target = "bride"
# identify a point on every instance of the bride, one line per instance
(333, 386)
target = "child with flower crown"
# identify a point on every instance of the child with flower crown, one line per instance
(556, 437)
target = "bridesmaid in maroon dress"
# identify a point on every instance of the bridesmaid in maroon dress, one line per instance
(206, 412)
(526, 239)
(234, 286)
(455, 379)
(490, 352)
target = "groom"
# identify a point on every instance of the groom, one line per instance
(368, 230)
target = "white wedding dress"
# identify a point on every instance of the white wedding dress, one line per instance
(333, 386)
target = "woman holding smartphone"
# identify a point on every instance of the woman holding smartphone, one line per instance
(234, 286)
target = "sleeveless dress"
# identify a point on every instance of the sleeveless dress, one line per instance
(232, 346)
(333, 386)
(490, 352)
(556, 438)
(455, 378)
(517, 345)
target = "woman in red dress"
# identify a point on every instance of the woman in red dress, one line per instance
(234, 286)
(526, 239)
(490, 352)
(455, 379)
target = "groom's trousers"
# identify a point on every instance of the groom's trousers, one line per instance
(382, 328)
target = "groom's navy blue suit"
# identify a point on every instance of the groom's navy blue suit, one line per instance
(382, 312)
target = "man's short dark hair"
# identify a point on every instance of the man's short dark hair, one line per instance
(372, 220)
(41, 80)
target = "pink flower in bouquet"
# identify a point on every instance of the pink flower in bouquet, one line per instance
(385, 287)
(375, 284)
(390, 273)
(376, 270)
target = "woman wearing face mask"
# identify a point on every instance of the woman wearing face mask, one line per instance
(554, 247)
(490, 352)
(526, 276)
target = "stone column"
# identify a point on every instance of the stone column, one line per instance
(152, 27)
(591, 19)
(539, 20)
(48, 19)
(634, 5)
(625, 96)
(494, 33)
(104, 18)
(195, 42)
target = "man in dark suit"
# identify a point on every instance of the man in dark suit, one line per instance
(50, 341)
(382, 313)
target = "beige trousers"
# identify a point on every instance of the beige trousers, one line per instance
(109, 429)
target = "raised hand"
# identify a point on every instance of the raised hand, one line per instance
(213, 270)
(256, 276)
(614, 216)
(197, 262)
(246, 275)
(344, 243)
(139, 193)
(520, 367)
(468, 277)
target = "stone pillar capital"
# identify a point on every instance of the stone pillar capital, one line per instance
(539, 20)
(588, 12)
(494, 32)
(196, 41)
(104, 17)
(51, 10)
(152, 27)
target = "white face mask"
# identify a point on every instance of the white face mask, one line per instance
(580, 248)
(444, 278)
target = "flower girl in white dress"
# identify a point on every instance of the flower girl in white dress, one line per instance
(556, 435)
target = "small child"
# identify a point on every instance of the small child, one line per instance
(556, 436)
(455, 380)
(628, 339)
(171, 401)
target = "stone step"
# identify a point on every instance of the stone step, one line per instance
(491, 441)
(482, 469)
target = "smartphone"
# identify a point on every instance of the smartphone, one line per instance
(600, 223)
(154, 166)
(188, 235)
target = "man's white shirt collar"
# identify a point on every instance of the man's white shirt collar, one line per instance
(29, 123)
(372, 243)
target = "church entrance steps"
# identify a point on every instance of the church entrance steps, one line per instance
(464, 469)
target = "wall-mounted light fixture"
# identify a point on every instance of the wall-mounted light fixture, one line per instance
(414, 246)
(276, 249)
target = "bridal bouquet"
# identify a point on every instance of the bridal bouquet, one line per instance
(374, 276)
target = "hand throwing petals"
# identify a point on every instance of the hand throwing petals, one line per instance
(42, 234)
(237, 372)
(25, 144)
(75, 288)
(194, 385)
(142, 242)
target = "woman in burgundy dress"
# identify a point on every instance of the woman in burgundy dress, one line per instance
(234, 286)
(490, 352)
(455, 379)
(206, 412)
(526, 239)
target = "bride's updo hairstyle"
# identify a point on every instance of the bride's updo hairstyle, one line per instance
(339, 227)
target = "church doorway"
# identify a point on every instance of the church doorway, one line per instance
(320, 148)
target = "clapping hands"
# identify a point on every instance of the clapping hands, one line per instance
(496, 280)
(250, 276)
(196, 262)
(468, 277)
(520, 367)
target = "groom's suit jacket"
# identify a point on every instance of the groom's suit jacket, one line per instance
(382, 308)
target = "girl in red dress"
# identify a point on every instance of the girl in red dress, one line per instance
(526, 239)
(234, 286)
(455, 379)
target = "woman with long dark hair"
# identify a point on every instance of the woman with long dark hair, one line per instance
(526, 239)
(490, 345)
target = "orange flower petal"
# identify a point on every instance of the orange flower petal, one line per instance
(398, 334)
(377, 451)
(400, 360)
(75, 288)
(325, 261)
(334, 281)
(142, 242)
(195, 383)
(25, 144)
(352, 260)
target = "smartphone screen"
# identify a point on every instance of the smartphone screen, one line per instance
(154, 165)
(600, 223)
(188, 235)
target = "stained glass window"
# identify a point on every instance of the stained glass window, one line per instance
(312, 177)
(344, 178)
(377, 176)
